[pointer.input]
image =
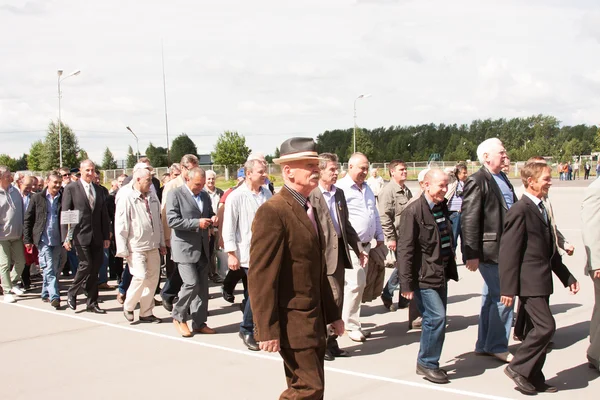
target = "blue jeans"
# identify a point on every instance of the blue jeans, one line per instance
(432, 305)
(495, 319)
(457, 232)
(247, 325)
(125, 279)
(49, 257)
(103, 273)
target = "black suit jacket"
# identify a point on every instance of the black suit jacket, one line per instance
(419, 247)
(36, 216)
(94, 225)
(482, 216)
(331, 239)
(528, 253)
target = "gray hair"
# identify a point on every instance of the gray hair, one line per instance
(210, 173)
(326, 158)
(196, 171)
(140, 173)
(251, 164)
(87, 161)
(54, 174)
(3, 170)
(188, 160)
(175, 167)
(485, 147)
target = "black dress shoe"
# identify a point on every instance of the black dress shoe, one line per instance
(249, 341)
(328, 355)
(95, 309)
(168, 305)
(434, 375)
(340, 353)
(227, 296)
(151, 319)
(523, 385)
(72, 303)
(545, 388)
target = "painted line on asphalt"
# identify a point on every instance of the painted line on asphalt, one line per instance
(268, 357)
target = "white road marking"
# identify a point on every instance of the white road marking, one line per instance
(266, 356)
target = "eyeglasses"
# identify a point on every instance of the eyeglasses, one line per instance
(63, 175)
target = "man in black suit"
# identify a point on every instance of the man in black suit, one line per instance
(340, 237)
(528, 256)
(90, 236)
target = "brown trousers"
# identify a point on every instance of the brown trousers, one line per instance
(304, 373)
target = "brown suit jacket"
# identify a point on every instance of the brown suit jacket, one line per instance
(331, 238)
(289, 292)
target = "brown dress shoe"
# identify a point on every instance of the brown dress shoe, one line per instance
(205, 330)
(120, 298)
(106, 286)
(182, 328)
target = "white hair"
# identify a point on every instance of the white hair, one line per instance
(210, 173)
(140, 173)
(485, 147)
(256, 156)
(422, 174)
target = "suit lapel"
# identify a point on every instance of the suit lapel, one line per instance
(84, 194)
(188, 196)
(300, 213)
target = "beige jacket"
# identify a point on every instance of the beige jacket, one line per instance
(392, 201)
(135, 229)
(172, 184)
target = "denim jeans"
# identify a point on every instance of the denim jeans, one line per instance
(392, 284)
(432, 305)
(49, 257)
(125, 280)
(247, 325)
(495, 319)
(457, 232)
(103, 273)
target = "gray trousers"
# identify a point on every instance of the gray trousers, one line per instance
(193, 294)
(593, 352)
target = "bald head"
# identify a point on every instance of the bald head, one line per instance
(358, 168)
(435, 185)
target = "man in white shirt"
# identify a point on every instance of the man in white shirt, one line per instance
(240, 209)
(215, 195)
(364, 218)
(375, 182)
(140, 240)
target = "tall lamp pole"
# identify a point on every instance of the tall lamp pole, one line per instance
(362, 96)
(60, 72)
(136, 141)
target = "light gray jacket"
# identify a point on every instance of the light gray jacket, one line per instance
(11, 214)
(590, 221)
(188, 241)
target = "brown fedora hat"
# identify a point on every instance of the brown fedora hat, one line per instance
(297, 148)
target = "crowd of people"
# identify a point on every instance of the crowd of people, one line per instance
(308, 255)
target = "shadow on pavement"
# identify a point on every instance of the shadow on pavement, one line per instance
(568, 335)
(457, 298)
(578, 377)
(469, 364)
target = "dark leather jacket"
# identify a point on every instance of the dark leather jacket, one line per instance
(483, 215)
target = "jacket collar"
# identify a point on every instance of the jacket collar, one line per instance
(299, 211)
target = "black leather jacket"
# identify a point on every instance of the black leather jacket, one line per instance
(482, 218)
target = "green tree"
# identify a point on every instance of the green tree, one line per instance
(36, 156)
(181, 146)
(8, 161)
(131, 158)
(230, 149)
(108, 162)
(363, 145)
(21, 163)
(70, 148)
(157, 155)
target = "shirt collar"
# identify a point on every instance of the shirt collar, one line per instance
(535, 200)
(299, 198)
(331, 192)
(430, 202)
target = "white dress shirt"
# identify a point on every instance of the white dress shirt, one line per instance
(362, 210)
(329, 196)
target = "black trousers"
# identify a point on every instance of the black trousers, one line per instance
(90, 261)
(172, 285)
(531, 355)
(232, 278)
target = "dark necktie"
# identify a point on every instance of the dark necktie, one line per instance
(91, 197)
(543, 210)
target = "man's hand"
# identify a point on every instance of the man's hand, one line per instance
(205, 223)
(162, 251)
(472, 264)
(596, 274)
(67, 245)
(168, 242)
(338, 327)
(408, 295)
(215, 220)
(232, 261)
(270, 345)
(379, 243)
(364, 259)
(391, 245)
(574, 287)
(507, 300)
(570, 249)
(28, 246)
(106, 244)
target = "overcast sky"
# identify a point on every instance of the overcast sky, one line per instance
(273, 69)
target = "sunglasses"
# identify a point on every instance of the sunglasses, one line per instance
(63, 175)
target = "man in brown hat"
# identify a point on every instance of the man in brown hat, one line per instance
(291, 298)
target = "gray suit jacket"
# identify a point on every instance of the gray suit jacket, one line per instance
(590, 221)
(188, 241)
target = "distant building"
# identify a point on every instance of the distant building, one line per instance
(204, 159)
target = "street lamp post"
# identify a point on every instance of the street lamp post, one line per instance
(136, 141)
(362, 96)
(60, 72)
